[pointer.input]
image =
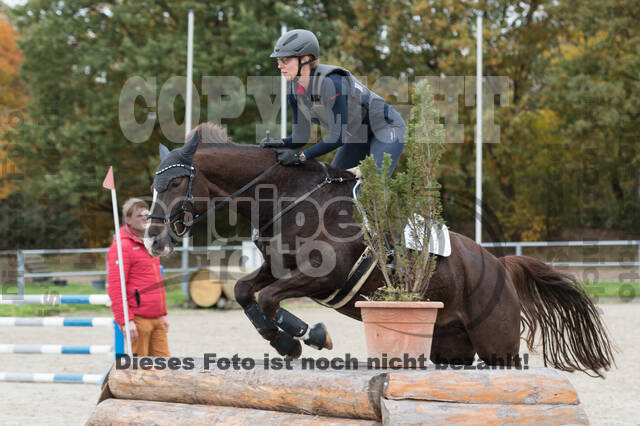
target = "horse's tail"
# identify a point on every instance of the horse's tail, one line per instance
(573, 336)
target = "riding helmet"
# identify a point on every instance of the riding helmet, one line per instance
(297, 43)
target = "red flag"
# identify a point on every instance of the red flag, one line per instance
(108, 181)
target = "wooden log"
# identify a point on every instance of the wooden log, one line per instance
(205, 288)
(531, 386)
(346, 393)
(228, 287)
(447, 413)
(124, 412)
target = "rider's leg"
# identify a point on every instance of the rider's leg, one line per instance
(350, 154)
(385, 137)
(389, 139)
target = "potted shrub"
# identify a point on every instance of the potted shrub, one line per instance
(392, 210)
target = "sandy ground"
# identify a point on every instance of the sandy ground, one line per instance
(193, 333)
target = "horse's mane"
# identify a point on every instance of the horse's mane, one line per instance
(209, 133)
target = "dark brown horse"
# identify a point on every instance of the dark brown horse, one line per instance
(310, 249)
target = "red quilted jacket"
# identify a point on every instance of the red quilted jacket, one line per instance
(141, 273)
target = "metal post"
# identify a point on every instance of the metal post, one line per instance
(479, 128)
(187, 129)
(106, 268)
(283, 98)
(189, 94)
(118, 343)
(20, 256)
(638, 268)
(184, 266)
(518, 250)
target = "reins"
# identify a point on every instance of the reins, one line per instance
(187, 224)
(228, 198)
(327, 180)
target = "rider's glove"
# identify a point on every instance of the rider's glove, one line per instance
(288, 157)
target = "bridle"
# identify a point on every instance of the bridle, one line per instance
(180, 221)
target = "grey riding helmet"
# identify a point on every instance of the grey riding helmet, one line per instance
(297, 43)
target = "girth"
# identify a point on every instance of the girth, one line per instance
(358, 275)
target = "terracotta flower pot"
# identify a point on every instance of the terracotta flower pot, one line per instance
(399, 328)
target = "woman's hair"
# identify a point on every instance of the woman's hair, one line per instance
(130, 206)
(314, 64)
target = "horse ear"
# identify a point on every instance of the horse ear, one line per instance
(164, 152)
(190, 147)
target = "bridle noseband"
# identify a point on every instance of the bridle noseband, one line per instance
(177, 228)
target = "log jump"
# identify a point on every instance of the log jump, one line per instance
(359, 396)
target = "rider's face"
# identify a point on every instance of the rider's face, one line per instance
(288, 66)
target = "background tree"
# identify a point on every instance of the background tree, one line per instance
(566, 160)
(12, 98)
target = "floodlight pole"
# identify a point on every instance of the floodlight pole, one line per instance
(187, 129)
(283, 97)
(478, 206)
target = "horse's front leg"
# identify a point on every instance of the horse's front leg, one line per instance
(296, 284)
(245, 290)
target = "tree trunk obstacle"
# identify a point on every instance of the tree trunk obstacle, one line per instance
(357, 396)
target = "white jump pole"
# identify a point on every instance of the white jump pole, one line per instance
(109, 183)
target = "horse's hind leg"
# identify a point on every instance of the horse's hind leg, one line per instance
(495, 331)
(451, 345)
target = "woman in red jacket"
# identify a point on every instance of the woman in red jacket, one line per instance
(146, 298)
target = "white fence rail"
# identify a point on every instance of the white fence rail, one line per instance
(519, 245)
(249, 253)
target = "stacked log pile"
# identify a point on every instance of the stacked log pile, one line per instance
(357, 396)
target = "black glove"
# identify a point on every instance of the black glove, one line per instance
(288, 157)
(271, 143)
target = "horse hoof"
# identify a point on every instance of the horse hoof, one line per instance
(296, 352)
(328, 343)
(319, 337)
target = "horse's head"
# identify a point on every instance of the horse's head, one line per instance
(174, 188)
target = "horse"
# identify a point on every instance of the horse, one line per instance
(303, 223)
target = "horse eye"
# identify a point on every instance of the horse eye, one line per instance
(175, 184)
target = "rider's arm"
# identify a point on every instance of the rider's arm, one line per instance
(335, 101)
(300, 125)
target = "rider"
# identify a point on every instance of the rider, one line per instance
(359, 121)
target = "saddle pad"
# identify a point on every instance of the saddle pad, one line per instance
(439, 241)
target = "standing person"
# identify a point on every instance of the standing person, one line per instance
(146, 298)
(359, 121)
